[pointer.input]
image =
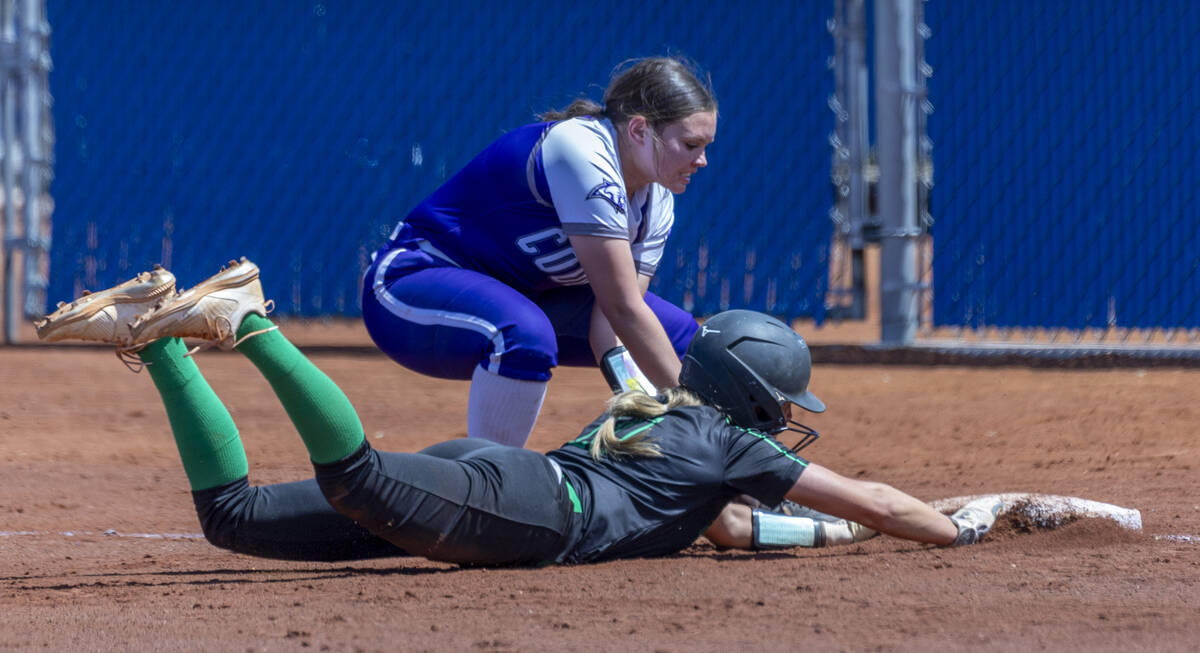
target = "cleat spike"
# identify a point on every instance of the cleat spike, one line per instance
(211, 310)
(103, 316)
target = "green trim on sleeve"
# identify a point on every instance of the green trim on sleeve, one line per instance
(772, 441)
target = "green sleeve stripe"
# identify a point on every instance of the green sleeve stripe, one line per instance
(774, 443)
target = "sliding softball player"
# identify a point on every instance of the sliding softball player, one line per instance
(646, 478)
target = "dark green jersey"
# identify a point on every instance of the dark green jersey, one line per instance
(646, 506)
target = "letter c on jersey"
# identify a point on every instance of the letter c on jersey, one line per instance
(560, 262)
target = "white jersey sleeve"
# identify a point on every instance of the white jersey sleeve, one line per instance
(583, 173)
(659, 217)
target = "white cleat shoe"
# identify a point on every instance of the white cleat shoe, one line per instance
(211, 311)
(104, 316)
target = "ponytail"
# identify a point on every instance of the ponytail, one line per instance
(580, 107)
(637, 405)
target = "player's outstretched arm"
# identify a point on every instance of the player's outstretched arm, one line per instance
(886, 509)
(741, 526)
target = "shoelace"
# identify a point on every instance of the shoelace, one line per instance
(223, 327)
(127, 354)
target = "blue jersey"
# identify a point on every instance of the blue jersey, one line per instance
(508, 212)
(646, 506)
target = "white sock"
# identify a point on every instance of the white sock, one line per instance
(501, 409)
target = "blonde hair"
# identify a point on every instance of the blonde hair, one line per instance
(641, 406)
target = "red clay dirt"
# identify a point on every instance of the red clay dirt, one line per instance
(98, 546)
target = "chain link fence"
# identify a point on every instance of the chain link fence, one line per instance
(1065, 148)
(1062, 142)
(298, 133)
(26, 159)
(1065, 138)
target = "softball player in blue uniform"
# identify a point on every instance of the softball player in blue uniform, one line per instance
(540, 251)
(644, 479)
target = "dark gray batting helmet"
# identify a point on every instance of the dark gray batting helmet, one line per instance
(748, 365)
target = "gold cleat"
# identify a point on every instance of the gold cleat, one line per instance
(105, 316)
(211, 311)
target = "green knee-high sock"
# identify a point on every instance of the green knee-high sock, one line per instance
(319, 409)
(204, 432)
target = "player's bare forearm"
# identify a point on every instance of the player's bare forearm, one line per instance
(619, 291)
(875, 505)
(601, 336)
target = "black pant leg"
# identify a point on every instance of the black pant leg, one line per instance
(457, 448)
(492, 506)
(288, 521)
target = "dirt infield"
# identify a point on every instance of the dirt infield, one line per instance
(99, 552)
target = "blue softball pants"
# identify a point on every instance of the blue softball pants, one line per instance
(443, 321)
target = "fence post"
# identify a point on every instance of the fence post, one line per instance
(37, 144)
(26, 147)
(8, 121)
(896, 91)
(851, 152)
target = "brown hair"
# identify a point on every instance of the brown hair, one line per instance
(660, 89)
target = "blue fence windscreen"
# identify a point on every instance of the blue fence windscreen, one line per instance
(298, 133)
(1065, 145)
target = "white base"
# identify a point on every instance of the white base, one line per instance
(1051, 510)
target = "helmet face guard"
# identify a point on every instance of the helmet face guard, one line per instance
(748, 365)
